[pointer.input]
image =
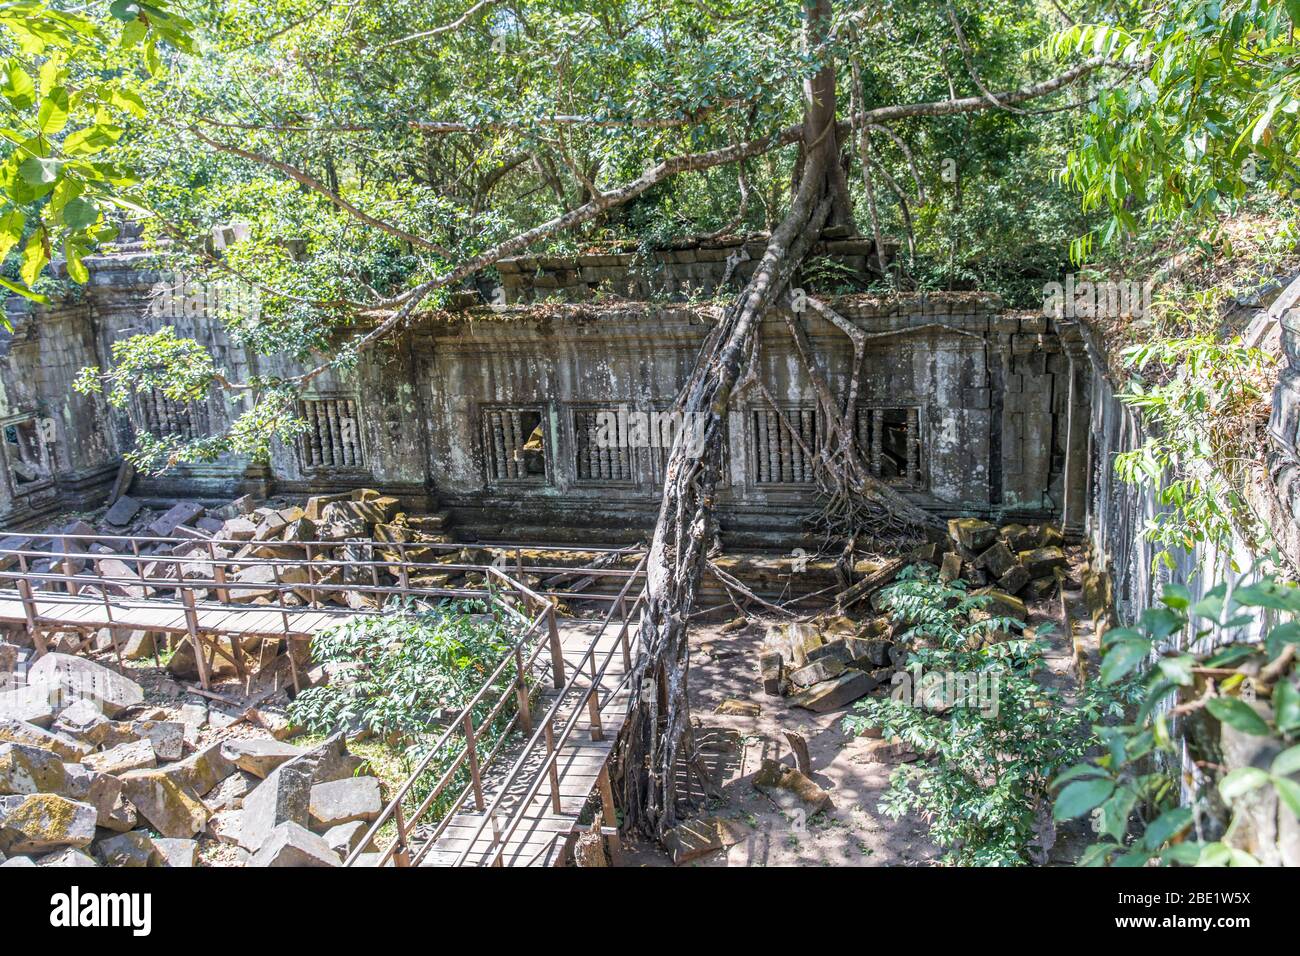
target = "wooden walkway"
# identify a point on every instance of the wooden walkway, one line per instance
(541, 833)
(158, 614)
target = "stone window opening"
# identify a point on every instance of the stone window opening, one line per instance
(785, 445)
(603, 451)
(162, 417)
(514, 443)
(333, 436)
(25, 456)
(890, 440)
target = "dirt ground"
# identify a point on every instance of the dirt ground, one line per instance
(855, 770)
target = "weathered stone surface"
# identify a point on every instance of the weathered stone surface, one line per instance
(290, 844)
(789, 789)
(997, 560)
(84, 720)
(20, 732)
(104, 793)
(123, 510)
(137, 755)
(68, 857)
(134, 849)
(171, 808)
(971, 533)
(346, 837)
(180, 513)
(201, 771)
(817, 671)
(230, 793)
(1018, 537)
(166, 736)
(238, 529)
(77, 677)
(283, 797)
(834, 694)
(1041, 561)
(999, 604)
(769, 671)
(1014, 580)
(343, 801)
(950, 567)
(331, 760)
(18, 861)
(31, 705)
(41, 822)
(177, 853)
(257, 755)
(26, 770)
(139, 646)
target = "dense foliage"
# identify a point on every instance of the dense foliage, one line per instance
(990, 732)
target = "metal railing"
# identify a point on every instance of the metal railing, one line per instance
(541, 733)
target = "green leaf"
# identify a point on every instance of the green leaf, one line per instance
(11, 230)
(77, 270)
(1185, 854)
(79, 213)
(19, 88)
(1166, 826)
(1077, 771)
(1286, 763)
(35, 257)
(1241, 781)
(1286, 707)
(1238, 715)
(53, 114)
(1177, 669)
(1122, 658)
(125, 9)
(1289, 792)
(1081, 796)
(1280, 636)
(23, 291)
(38, 171)
(1114, 813)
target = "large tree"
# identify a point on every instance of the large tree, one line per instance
(410, 146)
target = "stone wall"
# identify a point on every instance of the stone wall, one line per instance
(698, 271)
(968, 409)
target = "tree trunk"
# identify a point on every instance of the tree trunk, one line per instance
(658, 743)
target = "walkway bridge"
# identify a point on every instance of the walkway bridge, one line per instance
(509, 775)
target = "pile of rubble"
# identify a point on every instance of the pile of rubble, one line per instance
(95, 776)
(350, 527)
(828, 663)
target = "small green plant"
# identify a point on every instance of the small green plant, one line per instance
(1131, 796)
(989, 752)
(1198, 406)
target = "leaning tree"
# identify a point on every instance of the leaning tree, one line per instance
(416, 144)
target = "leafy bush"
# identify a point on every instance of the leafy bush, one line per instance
(986, 760)
(395, 672)
(1134, 798)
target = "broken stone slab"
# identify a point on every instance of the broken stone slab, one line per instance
(238, 529)
(18, 861)
(950, 568)
(77, 677)
(1014, 580)
(123, 510)
(103, 792)
(257, 755)
(790, 790)
(134, 849)
(175, 852)
(973, 534)
(25, 770)
(136, 755)
(997, 560)
(182, 512)
(1018, 537)
(999, 604)
(41, 822)
(346, 837)
(200, 772)
(290, 844)
(769, 671)
(230, 793)
(171, 808)
(85, 721)
(1042, 561)
(30, 705)
(139, 646)
(343, 801)
(283, 797)
(315, 506)
(166, 736)
(258, 581)
(814, 672)
(837, 693)
(7, 548)
(20, 732)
